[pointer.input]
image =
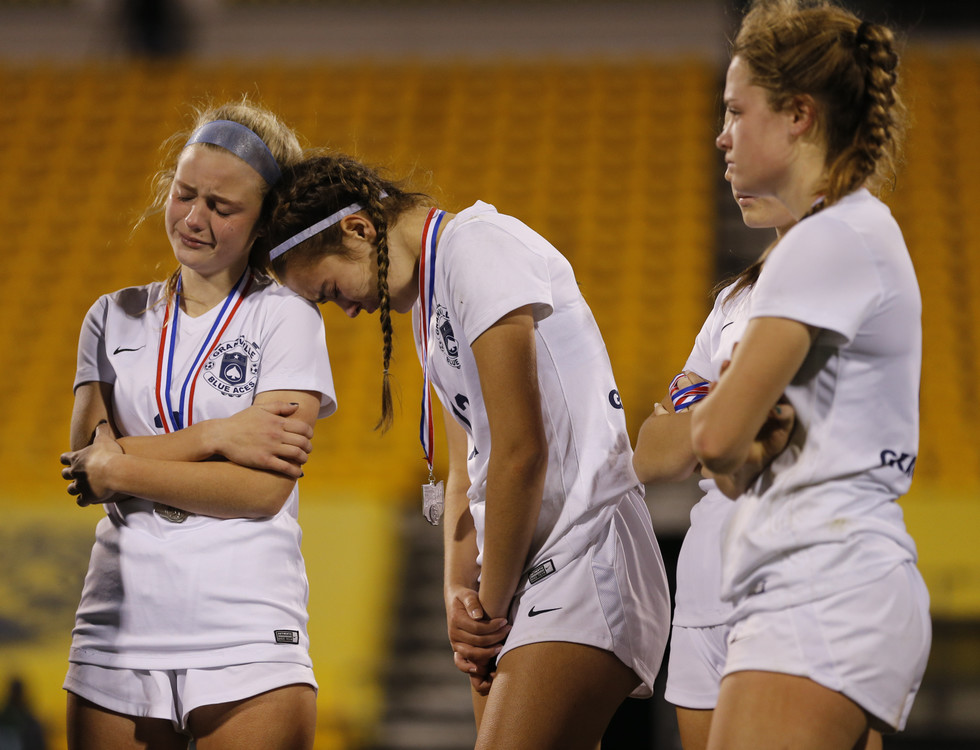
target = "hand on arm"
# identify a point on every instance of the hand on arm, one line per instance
(86, 468)
(92, 407)
(267, 435)
(730, 421)
(770, 442)
(474, 637)
(663, 446)
(215, 488)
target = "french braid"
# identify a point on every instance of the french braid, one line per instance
(367, 186)
(850, 68)
(319, 186)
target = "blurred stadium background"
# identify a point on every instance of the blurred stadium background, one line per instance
(591, 121)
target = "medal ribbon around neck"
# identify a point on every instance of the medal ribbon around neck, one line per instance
(427, 265)
(174, 419)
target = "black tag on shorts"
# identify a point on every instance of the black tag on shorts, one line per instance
(539, 572)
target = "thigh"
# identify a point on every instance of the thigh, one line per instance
(693, 725)
(280, 719)
(769, 711)
(91, 727)
(553, 695)
(613, 598)
(869, 643)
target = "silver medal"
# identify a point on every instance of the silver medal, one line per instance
(433, 502)
(174, 515)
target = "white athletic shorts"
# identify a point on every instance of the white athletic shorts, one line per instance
(174, 693)
(870, 643)
(614, 597)
(695, 665)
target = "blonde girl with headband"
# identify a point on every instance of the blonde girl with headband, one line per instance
(195, 401)
(556, 598)
(830, 629)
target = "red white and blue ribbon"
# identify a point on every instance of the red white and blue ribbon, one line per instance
(427, 264)
(682, 398)
(171, 418)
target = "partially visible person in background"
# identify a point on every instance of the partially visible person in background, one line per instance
(663, 453)
(195, 400)
(19, 727)
(155, 28)
(556, 595)
(830, 629)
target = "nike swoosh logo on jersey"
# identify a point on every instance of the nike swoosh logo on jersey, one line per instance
(535, 612)
(125, 349)
(730, 322)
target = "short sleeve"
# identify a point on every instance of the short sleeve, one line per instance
(822, 275)
(493, 273)
(700, 359)
(294, 353)
(93, 361)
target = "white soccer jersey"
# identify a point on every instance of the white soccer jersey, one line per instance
(488, 265)
(207, 592)
(824, 516)
(697, 600)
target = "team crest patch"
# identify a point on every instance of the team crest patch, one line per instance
(446, 339)
(233, 367)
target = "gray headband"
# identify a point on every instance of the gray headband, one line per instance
(243, 143)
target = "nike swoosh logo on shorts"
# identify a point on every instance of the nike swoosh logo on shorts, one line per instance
(124, 349)
(535, 612)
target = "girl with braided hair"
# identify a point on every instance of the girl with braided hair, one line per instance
(555, 592)
(830, 627)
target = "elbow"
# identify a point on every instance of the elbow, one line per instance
(534, 463)
(661, 469)
(527, 460)
(663, 449)
(645, 472)
(269, 503)
(713, 450)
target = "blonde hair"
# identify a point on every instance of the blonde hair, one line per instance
(282, 141)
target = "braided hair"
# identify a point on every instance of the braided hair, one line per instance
(850, 68)
(317, 187)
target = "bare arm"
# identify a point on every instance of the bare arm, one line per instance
(266, 435)
(459, 532)
(663, 446)
(475, 638)
(93, 404)
(215, 488)
(727, 422)
(505, 358)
